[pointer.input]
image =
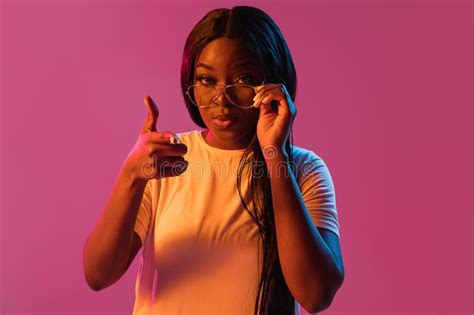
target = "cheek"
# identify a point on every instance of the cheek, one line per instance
(204, 115)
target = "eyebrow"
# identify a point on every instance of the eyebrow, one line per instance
(235, 65)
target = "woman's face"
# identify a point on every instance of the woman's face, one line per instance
(225, 61)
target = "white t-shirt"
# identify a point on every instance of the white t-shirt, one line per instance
(200, 246)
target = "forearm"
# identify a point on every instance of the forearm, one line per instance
(309, 267)
(108, 246)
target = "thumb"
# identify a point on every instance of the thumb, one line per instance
(152, 115)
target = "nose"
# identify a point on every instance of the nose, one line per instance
(221, 98)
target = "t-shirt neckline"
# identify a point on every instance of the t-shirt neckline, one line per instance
(210, 147)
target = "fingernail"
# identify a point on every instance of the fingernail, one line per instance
(265, 100)
(174, 139)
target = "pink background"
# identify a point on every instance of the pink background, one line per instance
(384, 97)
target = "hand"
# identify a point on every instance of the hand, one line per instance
(273, 126)
(154, 154)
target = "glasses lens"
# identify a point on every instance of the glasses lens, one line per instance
(201, 95)
(241, 95)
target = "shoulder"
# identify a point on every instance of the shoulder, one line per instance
(306, 161)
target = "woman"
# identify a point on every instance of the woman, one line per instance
(240, 242)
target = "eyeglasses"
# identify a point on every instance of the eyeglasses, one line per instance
(240, 95)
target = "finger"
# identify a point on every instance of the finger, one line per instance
(170, 161)
(265, 109)
(172, 171)
(263, 91)
(176, 149)
(267, 97)
(266, 87)
(164, 137)
(152, 115)
(165, 149)
(272, 95)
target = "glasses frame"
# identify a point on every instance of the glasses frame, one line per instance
(188, 93)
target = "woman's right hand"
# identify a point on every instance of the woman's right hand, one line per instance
(154, 155)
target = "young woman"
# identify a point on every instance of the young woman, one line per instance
(233, 218)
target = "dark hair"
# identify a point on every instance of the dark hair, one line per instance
(258, 32)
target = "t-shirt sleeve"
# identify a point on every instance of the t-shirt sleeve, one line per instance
(317, 190)
(144, 213)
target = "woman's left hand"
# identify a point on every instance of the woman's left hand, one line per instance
(273, 126)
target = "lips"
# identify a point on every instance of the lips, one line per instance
(223, 121)
(223, 117)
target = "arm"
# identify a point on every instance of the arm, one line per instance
(310, 257)
(107, 250)
(114, 242)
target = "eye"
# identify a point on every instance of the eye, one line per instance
(204, 79)
(247, 79)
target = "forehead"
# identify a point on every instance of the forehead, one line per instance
(225, 53)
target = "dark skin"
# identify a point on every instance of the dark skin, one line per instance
(310, 256)
(231, 63)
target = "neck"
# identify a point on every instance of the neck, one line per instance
(234, 144)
